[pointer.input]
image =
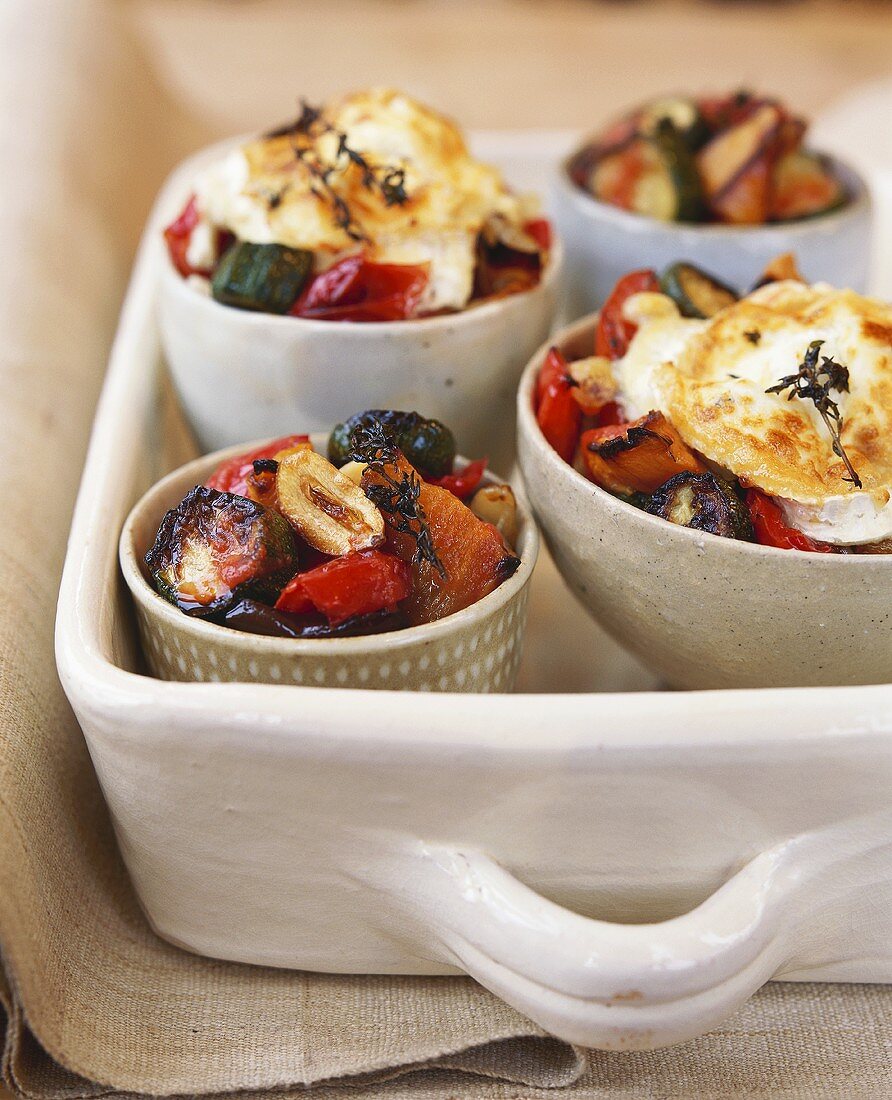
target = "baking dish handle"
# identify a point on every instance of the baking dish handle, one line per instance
(601, 984)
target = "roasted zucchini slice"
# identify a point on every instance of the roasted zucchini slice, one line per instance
(215, 547)
(694, 292)
(267, 278)
(684, 115)
(258, 618)
(428, 445)
(704, 502)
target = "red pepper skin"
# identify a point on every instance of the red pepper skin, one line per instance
(463, 483)
(770, 529)
(356, 584)
(232, 475)
(540, 230)
(557, 413)
(355, 289)
(178, 234)
(613, 334)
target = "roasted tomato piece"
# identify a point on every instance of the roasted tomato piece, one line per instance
(704, 502)
(356, 289)
(344, 588)
(557, 413)
(540, 230)
(637, 457)
(771, 529)
(456, 558)
(463, 483)
(214, 547)
(178, 234)
(427, 444)
(614, 334)
(234, 475)
(259, 618)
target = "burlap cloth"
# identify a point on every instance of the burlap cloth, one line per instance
(91, 1003)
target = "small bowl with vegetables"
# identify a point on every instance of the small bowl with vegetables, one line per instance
(723, 182)
(359, 249)
(713, 475)
(370, 558)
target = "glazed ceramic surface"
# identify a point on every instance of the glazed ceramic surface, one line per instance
(242, 375)
(704, 611)
(477, 649)
(603, 243)
(623, 865)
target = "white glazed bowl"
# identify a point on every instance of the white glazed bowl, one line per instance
(603, 243)
(700, 610)
(240, 374)
(474, 650)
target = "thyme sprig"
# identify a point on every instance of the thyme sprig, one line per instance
(389, 181)
(813, 382)
(398, 497)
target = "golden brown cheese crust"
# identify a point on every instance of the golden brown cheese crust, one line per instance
(714, 391)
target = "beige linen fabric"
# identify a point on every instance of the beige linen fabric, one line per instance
(91, 1003)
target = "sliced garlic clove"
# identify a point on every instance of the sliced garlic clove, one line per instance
(326, 508)
(497, 505)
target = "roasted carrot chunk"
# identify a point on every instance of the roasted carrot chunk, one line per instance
(637, 457)
(472, 559)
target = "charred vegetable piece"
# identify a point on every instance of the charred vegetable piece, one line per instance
(694, 292)
(703, 502)
(781, 267)
(328, 510)
(637, 457)
(214, 547)
(469, 559)
(233, 475)
(267, 278)
(596, 385)
(557, 412)
(736, 167)
(654, 176)
(614, 333)
(803, 187)
(357, 584)
(258, 618)
(683, 114)
(359, 290)
(427, 444)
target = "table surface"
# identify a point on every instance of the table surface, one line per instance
(554, 64)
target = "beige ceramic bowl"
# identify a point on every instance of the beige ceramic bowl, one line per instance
(704, 611)
(475, 650)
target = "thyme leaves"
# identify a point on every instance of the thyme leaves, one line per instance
(305, 134)
(395, 491)
(813, 382)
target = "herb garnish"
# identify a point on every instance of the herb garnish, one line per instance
(754, 336)
(397, 497)
(304, 133)
(814, 382)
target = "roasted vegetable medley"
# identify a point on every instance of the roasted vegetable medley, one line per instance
(736, 159)
(388, 534)
(370, 208)
(646, 460)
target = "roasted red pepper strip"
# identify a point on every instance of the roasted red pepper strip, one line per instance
(232, 475)
(178, 234)
(557, 413)
(614, 333)
(540, 230)
(463, 483)
(355, 289)
(770, 529)
(356, 584)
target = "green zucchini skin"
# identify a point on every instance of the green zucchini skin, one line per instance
(703, 502)
(186, 553)
(683, 113)
(427, 444)
(694, 292)
(266, 278)
(678, 161)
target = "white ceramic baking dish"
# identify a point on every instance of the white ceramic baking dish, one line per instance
(623, 866)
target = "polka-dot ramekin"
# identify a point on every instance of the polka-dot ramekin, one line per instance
(475, 650)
